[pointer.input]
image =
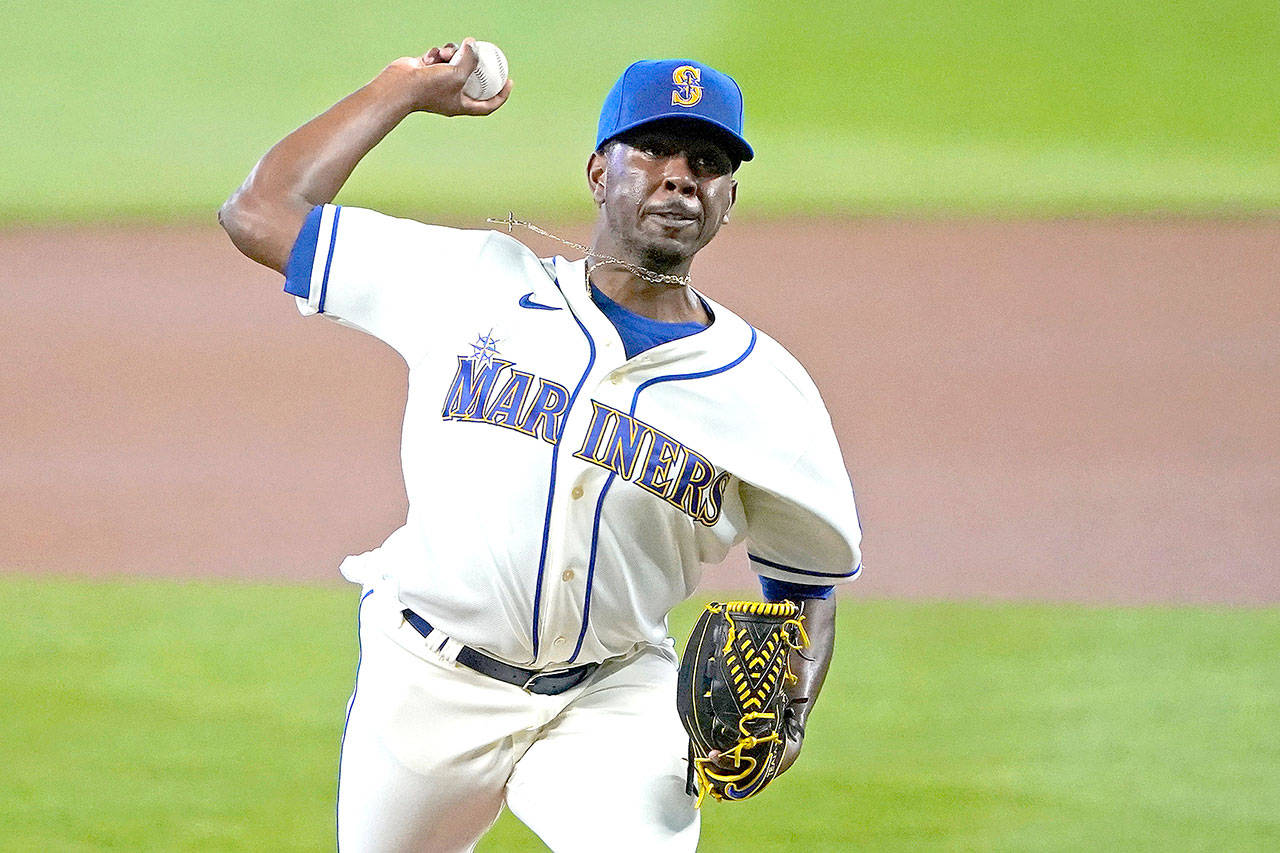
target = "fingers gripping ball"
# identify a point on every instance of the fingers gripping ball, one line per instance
(490, 74)
(732, 697)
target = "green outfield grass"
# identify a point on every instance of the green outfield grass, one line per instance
(155, 111)
(149, 715)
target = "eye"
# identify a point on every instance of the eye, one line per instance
(711, 163)
(652, 146)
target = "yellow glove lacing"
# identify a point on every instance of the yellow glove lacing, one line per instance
(711, 778)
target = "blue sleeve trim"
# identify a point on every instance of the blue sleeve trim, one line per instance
(775, 590)
(762, 561)
(328, 262)
(297, 276)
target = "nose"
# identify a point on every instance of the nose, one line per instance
(679, 177)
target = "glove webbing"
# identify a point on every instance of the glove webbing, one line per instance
(701, 778)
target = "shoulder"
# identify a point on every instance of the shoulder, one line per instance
(783, 371)
(503, 248)
(359, 222)
(771, 368)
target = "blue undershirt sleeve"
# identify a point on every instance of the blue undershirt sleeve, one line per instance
(775, 590)
(297, 276)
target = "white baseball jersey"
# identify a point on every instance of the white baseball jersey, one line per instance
(562, 498)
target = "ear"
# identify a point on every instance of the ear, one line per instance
(733, 198)
(597, 172)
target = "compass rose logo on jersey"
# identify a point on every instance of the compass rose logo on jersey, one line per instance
(687, 91)
(486, 347)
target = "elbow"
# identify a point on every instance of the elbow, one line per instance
(243, 220)
(232, 219)
(229, 215)
(259, 230)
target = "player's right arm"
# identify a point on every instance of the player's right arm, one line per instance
(310, 165)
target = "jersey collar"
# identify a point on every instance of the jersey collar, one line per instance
(718, 344)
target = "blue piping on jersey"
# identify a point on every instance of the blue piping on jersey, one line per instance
(555, 458)
(771, 564)
(677, 377)
(591, 566)
(354, 689)
(595, 528)
(328, 262)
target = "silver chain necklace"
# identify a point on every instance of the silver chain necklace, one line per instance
(647, 275)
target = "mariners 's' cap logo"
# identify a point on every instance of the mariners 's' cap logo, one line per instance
(687, 91)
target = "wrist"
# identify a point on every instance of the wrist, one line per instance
(393, 90)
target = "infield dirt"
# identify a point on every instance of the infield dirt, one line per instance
(1074, 410)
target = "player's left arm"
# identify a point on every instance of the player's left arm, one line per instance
(803, 540)
(810, 669)
(809, 666)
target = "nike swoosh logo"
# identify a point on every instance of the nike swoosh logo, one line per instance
(527, 302)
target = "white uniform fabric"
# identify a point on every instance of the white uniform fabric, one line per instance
(562, 498)
(432, 750)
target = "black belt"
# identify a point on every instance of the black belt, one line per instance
(530, 680)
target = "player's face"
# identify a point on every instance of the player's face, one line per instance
(665, 191)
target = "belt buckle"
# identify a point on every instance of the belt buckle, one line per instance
(558, 677)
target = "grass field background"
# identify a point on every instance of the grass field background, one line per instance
(151, 715)
(200, 716)
(155, 111)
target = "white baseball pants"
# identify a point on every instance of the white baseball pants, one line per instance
(432, 750)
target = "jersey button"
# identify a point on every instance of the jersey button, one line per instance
(567, 575)
(576, 493)
(615, 378)
(559, 641)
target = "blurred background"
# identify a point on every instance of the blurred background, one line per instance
(1030, 252)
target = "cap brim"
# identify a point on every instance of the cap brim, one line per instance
(739, 146)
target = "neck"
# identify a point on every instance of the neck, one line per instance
(664, 302)
(671, 303)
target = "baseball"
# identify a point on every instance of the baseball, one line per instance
(490, 74)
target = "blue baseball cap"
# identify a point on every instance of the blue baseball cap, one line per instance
(654, 89)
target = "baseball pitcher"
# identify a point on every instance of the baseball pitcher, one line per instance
(580, 437)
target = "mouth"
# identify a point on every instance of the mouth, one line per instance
(672, 218)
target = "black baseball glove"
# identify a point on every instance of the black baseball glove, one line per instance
(732, 695)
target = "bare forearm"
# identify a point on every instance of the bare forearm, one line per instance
(311, 164)
(810, 665)
(307, 168)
